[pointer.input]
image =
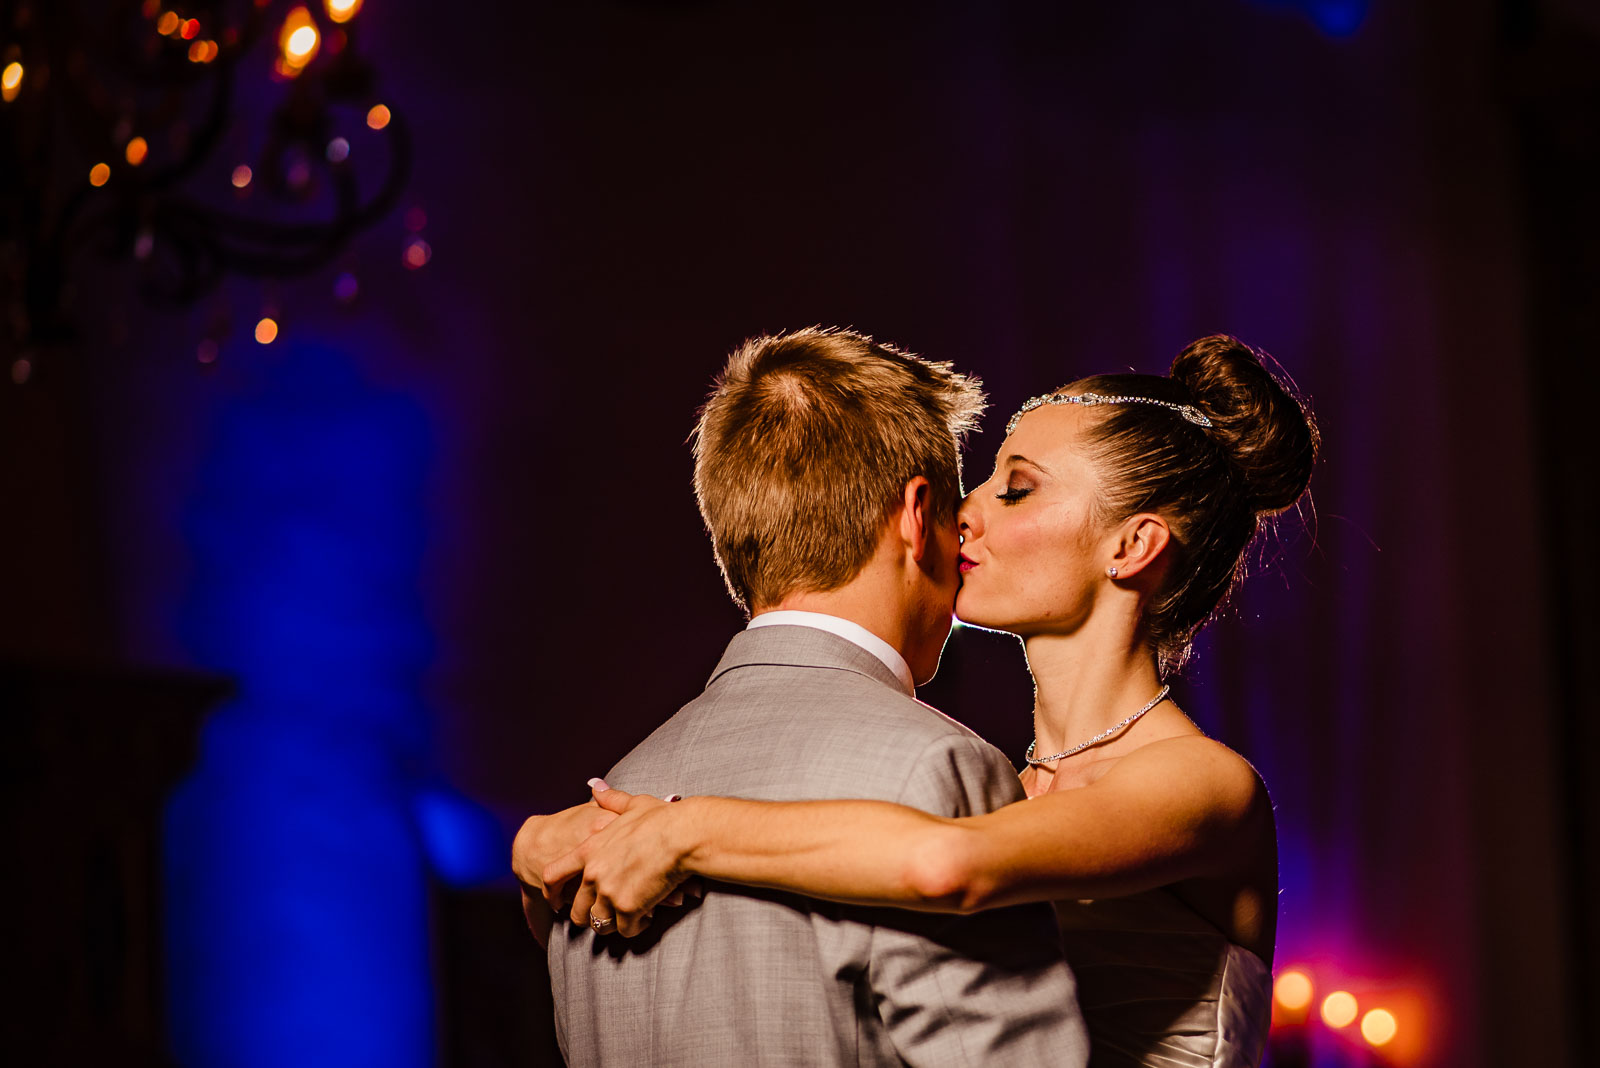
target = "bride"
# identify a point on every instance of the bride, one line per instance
(1116, 523)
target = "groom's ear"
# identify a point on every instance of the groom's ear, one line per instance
(916, 517)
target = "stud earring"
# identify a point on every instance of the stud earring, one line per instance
(1111, 571)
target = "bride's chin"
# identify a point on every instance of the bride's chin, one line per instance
(983, 620)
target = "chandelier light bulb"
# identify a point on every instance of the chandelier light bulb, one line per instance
(343, 10)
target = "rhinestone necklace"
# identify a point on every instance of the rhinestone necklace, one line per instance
(1102, 736)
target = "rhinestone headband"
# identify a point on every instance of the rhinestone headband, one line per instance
(1188, 411)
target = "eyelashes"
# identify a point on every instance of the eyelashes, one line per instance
(1013, 494)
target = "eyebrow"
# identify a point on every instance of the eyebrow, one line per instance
(1019, 458)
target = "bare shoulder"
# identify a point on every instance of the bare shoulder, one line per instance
(1213, 777)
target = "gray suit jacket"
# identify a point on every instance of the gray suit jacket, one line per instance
(755, 977)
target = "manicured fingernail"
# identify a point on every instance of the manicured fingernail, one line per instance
(599, 786)
(672, 797)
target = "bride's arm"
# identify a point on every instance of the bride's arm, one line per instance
(1169, 811)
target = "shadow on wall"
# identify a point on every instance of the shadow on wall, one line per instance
(298, 854)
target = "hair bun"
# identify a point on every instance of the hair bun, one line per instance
(1267, 433)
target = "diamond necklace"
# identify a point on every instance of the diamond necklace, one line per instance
(1102, 736)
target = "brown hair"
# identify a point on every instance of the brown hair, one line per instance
(1217, 487)
(803, 451)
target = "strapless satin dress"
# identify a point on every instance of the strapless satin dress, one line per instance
(1162, 988)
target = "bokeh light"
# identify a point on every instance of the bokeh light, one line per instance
(267, 330)
(21, 371)
(1339, 1009)
(298, 42)
(99, 174)
(190, 29)
(415, 218)
(168, 24)
(346, 288)
(338, 150)
(1379, 1027)
(207, 351)
(1293, 990)
(418, 253)
(137, 150)
(378, 116)
(241, 176)
(11, 81)
(343, 10)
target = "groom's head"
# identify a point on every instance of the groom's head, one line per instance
(804, 452)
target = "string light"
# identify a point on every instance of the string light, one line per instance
(298, 41)
(137, 150)
(190, 29)
(378, 117)
(1379, 1027)
(241, 176)
(1293, 990)
(99, 174)
(168, 24)
(11, 81)
(267, 330)
(1339, 1009)
(343, 10)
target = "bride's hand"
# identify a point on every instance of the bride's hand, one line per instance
(630, 867)
(540, 840)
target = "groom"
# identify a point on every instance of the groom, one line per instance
(828, 472)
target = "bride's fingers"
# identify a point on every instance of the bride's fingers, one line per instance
(561, 869)
(609, 799)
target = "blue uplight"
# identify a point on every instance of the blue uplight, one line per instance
(1336, 18)
(296, 863)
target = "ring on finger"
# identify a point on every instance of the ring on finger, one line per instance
(601, 923)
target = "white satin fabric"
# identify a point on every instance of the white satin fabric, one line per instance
(1161, 988)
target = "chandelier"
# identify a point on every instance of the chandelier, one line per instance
(124, 136)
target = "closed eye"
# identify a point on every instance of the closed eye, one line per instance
(1013, 494)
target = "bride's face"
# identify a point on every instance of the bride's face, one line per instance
(1030, 555)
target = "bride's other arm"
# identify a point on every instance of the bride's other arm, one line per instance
(1172, 810)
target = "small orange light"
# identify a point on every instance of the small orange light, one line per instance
(417, 254)
(378, 117)
(168, 24)
(241, 176)
(99, 174)
(137, 150)
(1293, 990)
(190, 29)
(1339, 1009)
(267, 331)
(1379, 1027)
(343, 10)
(11, 82)
(298, 41)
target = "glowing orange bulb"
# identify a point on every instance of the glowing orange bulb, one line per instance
(1378, 1027)
(137, 150)
(11, 82)
(1339, 1009)
(267, 331)
(190, 29)
(298, 41)
(378, 117)
(343, 10)
(241, 176)
(1293, 990)
(197, 52)
(99, 174)
(168, 24)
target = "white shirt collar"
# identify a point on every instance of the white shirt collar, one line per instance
(846, 629)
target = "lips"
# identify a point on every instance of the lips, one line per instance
(966, 565)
